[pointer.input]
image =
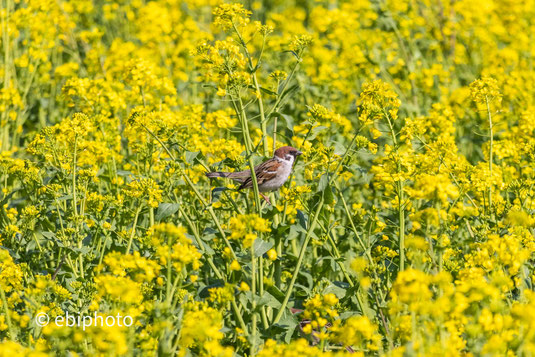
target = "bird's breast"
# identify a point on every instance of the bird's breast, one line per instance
(279, 180)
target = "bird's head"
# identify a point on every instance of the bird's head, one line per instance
(287, 153)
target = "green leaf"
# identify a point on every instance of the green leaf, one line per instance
(289, 322)
(315, 131)
(276, 292)
(49, 235)
(124, 173)
(207, 248)
(209, 86)
(287, 119)
(302, 291)
(293, 53)
(267, 91)
(324, 182)
(260, 246)
(302, 218)
(328, 195)
(208, 234)
(289, 91)
(269, 300)
(294, 231)
(165, 210)
(326, 189)
(337, 288)
(190, 156)
(82, 250)
(216, 193)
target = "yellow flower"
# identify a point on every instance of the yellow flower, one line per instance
(320, 309)
(330, 299)
(201, 327)
(272, 254)
(357, 331)
(378, 96)
(10, 273)
(246, 228)
(300, 43)
(13, 348)
(278, 75)
(235, 265)
(170, 242)
(145, 189)
(485, 90)
(223, 294)
(227, 15)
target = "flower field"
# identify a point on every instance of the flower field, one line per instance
(405, 229)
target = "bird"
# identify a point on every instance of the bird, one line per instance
(270, 174)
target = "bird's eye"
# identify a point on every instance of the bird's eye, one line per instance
(293, 152)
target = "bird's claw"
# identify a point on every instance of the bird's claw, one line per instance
(265, 197)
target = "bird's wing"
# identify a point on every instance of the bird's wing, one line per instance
(264, 172)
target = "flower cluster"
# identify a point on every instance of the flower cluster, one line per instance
(319, 311)
(246, 228)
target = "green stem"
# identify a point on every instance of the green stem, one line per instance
(4, 139)
(253, 291)
(491, 134)
(240, 111)
(274, 134)
(265, 323)
(74, 177)
(252, 69)
(172, 299)
(280, 96)
(299, 261)
(37, 242)
(197, 193)
(74, 206)
(309, 232)
(401, 209)
(169, 268)
(363, 308)
(133, 230)
(391, 126)
(354, 228)
(12, 334)
(401, 215)
(213, 266)
(71, 265)
(278, 262)
(103, 249)
(337, 255)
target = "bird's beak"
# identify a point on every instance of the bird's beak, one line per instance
(298, 153)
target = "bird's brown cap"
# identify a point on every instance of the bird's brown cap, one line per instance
(287, 150)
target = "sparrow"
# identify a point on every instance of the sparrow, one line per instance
(270, 175)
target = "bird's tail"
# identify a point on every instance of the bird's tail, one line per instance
(238, 176)
(217, 174)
